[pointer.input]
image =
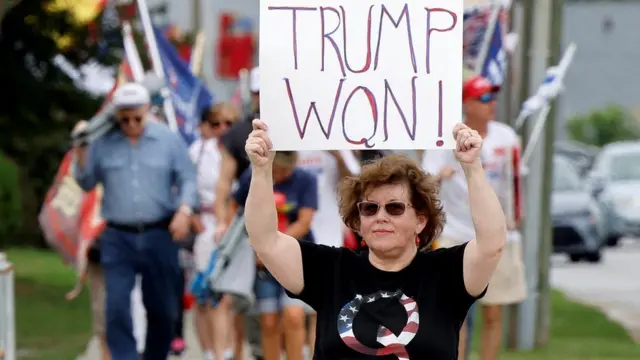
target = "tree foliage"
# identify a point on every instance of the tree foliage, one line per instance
(604, 126)
(40, 103)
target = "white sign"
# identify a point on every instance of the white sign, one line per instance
(361, 74)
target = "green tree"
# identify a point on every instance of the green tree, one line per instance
(40, 103)
(604, 126)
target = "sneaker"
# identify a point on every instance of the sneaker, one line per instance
(177, 346)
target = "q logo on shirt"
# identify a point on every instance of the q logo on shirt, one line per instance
(393, 345)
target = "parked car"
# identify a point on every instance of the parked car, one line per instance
(582, 155)
(577, 221)
(615, 183)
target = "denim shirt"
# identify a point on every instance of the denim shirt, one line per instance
(145, 182)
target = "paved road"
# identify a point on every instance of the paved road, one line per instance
(613, 285)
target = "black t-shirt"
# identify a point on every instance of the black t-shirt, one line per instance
(234, 141)
(367, 313)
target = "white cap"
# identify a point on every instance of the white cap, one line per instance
(130, 95)
(254, 80)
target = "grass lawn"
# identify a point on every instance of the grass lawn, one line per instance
(50, 328)
(579, 332)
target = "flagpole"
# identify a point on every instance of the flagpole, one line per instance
(197, 52)
(131, 52)
(150, 36)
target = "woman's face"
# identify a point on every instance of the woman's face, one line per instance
(216, 126)
(386, 232)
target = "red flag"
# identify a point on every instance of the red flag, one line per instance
(70, 218)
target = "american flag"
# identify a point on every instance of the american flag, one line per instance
(393, 345)
(188, 93)
(476, 24)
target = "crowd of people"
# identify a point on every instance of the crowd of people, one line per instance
(168, 208)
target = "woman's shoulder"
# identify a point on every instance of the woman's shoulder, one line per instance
(442, 255)
(325, 252)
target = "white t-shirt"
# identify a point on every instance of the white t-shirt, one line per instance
(496, 158)
(206, 156)
(327, 224)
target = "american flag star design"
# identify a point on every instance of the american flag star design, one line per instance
(393, 345)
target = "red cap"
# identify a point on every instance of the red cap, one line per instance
(476, 86)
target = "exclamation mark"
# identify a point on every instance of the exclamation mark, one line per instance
(440, 142)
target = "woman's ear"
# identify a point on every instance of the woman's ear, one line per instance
(422, 223)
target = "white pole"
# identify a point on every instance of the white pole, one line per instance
(197, 51)
(131, 52)
(7, 310)
(150, 36)
(541, 119)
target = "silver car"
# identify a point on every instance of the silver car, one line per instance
(577, 220)
(614, 181)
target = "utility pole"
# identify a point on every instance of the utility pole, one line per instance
(522, 23)
(533, 231)
(546, 243)
(196, 16)
(526, 35)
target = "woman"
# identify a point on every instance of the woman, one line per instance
(296, 197)
(391, 299)
(213, 318)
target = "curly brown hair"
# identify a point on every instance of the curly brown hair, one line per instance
(395, 169)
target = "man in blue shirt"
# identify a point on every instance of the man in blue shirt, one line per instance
(149, 192)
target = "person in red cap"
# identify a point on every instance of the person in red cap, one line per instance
(507, 286)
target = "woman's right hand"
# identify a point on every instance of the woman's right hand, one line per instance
(258, 146)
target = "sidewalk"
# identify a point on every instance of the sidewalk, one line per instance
(193, 349)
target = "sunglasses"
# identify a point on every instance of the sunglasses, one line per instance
(126, 120)
(217, 124)
(488, 97)
(393, 208)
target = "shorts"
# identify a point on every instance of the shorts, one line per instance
(271, 297)
(508, 284)
(201, 291)
(97, 294)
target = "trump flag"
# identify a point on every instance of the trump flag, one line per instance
(189, 95)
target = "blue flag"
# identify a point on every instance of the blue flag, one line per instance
(495, 63)
(189, 95)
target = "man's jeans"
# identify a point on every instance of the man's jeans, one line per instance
(154, 256)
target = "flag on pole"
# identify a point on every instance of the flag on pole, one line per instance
(479, 28)
(475, 23)
(494, 65)
(188, 94)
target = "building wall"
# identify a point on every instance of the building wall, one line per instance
(606, 68)
(180, 13)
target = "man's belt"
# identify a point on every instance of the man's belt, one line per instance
(141, 227)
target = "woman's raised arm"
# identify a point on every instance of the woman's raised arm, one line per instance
(279, 253)
(483, 253)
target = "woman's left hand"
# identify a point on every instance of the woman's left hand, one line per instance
(468, 144)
